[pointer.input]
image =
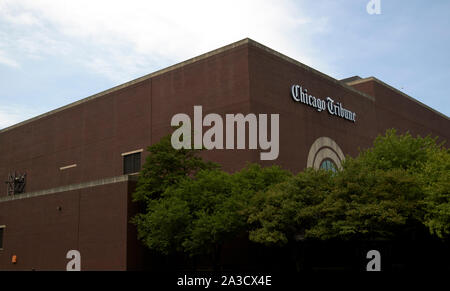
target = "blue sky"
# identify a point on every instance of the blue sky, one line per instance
(55, 52)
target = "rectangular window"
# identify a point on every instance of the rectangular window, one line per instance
(131, 163)
(2, 228)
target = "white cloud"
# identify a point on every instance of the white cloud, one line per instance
(8, 61)
(13, 113)
(120, 39)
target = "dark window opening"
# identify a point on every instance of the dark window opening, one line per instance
(1, 237)
(131, 163)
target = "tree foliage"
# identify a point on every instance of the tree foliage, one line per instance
(166, 166)
(368, 205)
(436, 178)
(191, 205)
(287, 209)
(400, 184)
(392, 189)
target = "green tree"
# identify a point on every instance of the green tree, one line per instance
(163, 226)
(191, 206)
(387, 191)
(214, 218)
(398, 151)
(396, 187)
(166, 166)
(217, 203)
(284, 211)
(280, 215)
(378, 194)
(193, 216)
(369, 204)
(436, 178)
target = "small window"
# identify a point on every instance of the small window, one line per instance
(131, 163)
(328, 165)
(2, 228)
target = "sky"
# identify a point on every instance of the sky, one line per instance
(54, 52)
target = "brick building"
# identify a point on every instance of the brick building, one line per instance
(81, 160)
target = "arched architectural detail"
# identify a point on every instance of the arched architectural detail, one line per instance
(324, 148)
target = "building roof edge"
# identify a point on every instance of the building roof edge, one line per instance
(397, 91)
(132, 82)
(212, 53)
(310, 69)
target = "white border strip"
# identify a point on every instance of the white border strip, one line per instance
(132, 152)
(68, 167)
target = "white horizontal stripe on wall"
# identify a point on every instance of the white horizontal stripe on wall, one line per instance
(68, 167)
(132, 152)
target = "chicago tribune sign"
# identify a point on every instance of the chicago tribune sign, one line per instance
(300, 94)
